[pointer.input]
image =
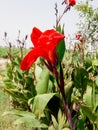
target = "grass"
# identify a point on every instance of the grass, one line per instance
(4, 51)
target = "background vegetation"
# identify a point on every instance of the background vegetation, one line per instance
(35, 102)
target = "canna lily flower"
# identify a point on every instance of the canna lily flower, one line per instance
(69, 2)
(80, 38)
(44, 46)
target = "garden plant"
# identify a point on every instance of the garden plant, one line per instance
(51, 87)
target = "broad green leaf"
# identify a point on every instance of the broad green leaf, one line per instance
(26, 117)
(80, 125)
(67, 87)
(94, 63)
(30, 122)
(38, 70)
(61, 46)
(88, 96)
(40, 102)
(88, 112)
(66, 129)
(80, 78)
(96, 105)
(88, 62)
(68, 91)
(42, 84)
(19, 113)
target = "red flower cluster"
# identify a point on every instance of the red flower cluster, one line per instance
(44, 46)
(70, 2)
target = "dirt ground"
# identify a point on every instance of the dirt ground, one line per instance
(3, 63)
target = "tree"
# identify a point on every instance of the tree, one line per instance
(88, 25)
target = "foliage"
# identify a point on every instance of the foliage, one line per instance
(88, 25)
(4, 51)
(61, 99)
(35, 91)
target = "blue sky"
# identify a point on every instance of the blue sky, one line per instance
(23, 15)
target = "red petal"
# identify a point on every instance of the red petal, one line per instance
(36, 33)
(54, 39)
(31, 57)
(45, 44)
(50, 38)
(49, 32)
(28, 60)
(71, 2)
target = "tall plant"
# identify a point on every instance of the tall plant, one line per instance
(55, 89)
(88, 25)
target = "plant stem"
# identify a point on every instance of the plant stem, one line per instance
(66, 108)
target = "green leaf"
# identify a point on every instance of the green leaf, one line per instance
(38, 70)
(9, 84)
(9, 70)
(61, 46)
(51, 127)
(80, 125)
(67, 87)
(88, 112)
(40, 102)
(18, 113)
(26, 117)
(59, 123)
(88, 96)
(17, 95)
(80, 78)
(55, 124)
(30, 122)
(18, 74)
(88, 62)
(68, 91)
(66, 129)
(61, 119)
(42, 84)
(96, 80)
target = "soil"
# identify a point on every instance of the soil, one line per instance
(3, 63)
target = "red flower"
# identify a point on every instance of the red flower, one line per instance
(69, 2)
(80, 38)
(44, 46)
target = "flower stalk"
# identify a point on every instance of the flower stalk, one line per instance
(66, 108)
(45, 46)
